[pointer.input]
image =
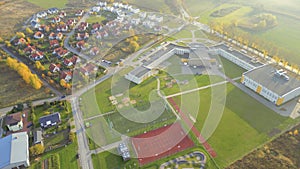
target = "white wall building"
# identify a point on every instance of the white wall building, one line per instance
(278, 88)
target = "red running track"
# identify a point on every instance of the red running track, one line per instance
(161, 143)
(207, 147)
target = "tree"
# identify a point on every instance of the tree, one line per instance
(62, 82)
(134, 46)
(296, 132)
(72, 136)
(36, 149)
(39, 66)
(29, 31)
(1, 40)
(20, 35)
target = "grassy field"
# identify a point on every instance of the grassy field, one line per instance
(183, 34)
(198, 7)
(281, 40)
(245, 122)
(230, 69)
(49, 4)
(14, 90)
(13, 14)
(94, 19)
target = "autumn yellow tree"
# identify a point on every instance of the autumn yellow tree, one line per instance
(36, 149)
(29, 31)
(20, 35)
(39, 66)
(63, 82)
(35, 81)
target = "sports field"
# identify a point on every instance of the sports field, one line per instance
(161, 143)
(245, 123)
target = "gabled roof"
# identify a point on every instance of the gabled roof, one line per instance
(13, 119)
(55, 117)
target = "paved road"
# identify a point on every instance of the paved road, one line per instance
(200, 88)
(83, 147)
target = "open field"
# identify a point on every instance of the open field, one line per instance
(198, 7)
(183, 34)
(13, 14)
(95, 19)
(230, 69)
(243, 126)
(49, 4)
(279, 153)
(165, 6)
(279, 40)
(14, 90)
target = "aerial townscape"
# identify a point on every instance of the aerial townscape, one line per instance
(140, 84)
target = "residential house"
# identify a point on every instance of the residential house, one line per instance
(82, 36)
(101, 35)
(75, 59)
(79, 12)
(14, 122)
(56, 20)
(30, 49)
(81, 45)
(66, 75)
(135, 21)
(44, 28)
(41, 14)
(83, 26)
(54, 43)
(35, 24)
(38, 35)
(71, 22)
(14, 151)
(102, 4)
(54, 68)
(95, 9)
(60, 52)
(37, 55)
(96, 27)
(38, 137)
(62, 14)
(57, 36)
(52, 10)
(94, 51)
(62, 28)
(21, 41)
(50, 120)
(68, 62)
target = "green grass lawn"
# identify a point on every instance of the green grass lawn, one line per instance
(230, 69)
(198, 7)
(183, 34)
(245, 123)
(94, 19)
(110, 160)
(49, 4)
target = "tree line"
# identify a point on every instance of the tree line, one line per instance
(25, 73)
